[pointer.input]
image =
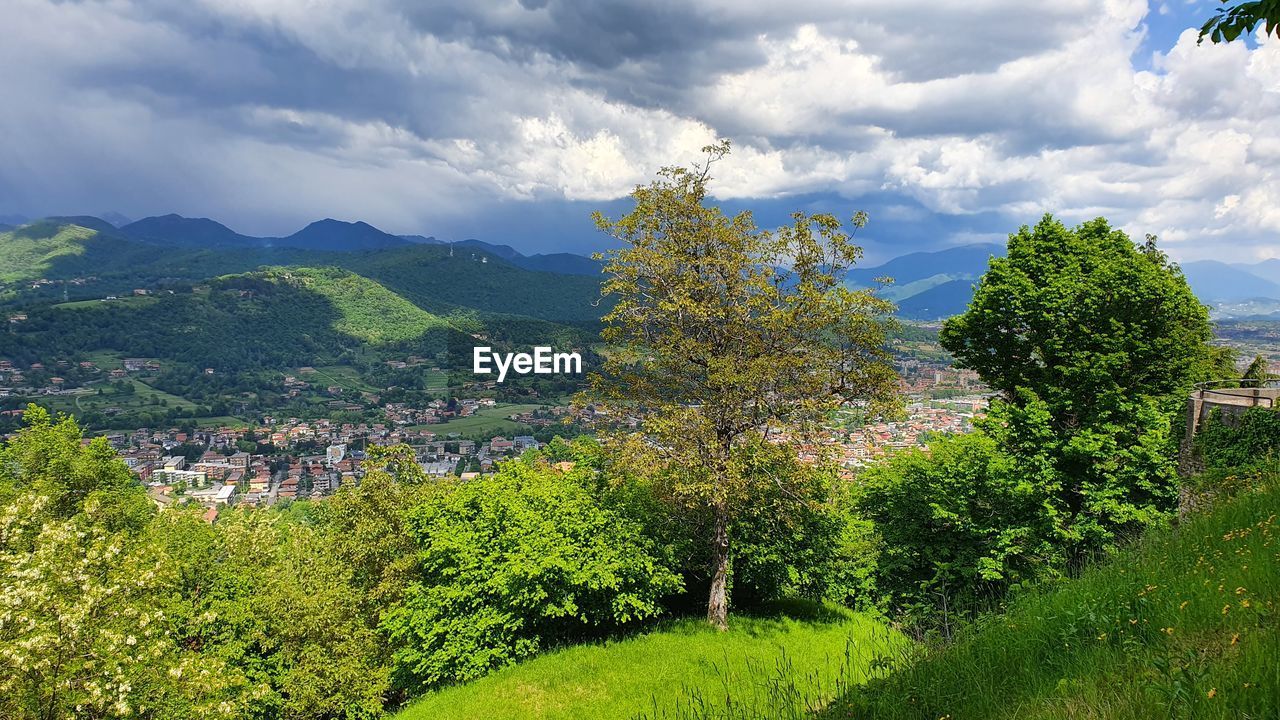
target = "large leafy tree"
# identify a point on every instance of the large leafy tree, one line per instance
(1092, 342)
(718, 351)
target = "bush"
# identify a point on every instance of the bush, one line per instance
(515, 563)
(960, 524)
(813, 547)
(1241, 441)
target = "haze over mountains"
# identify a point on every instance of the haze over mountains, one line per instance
(926, 285)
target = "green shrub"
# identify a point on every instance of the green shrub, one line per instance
(814, 547)
(960, 524)
(515, 563)
(1241, 441)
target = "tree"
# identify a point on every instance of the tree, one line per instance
(83, 629)
(1092, 342)
(718, 349)
(1229, 23)
(367, 527)
(1258, 373)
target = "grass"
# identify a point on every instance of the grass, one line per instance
(140, 400)
(654, 675)
(99, 302)
(349, 378)
(1183, 624)
(486, 421)
(365, 309)
(222, 421)
(343, 376)
(110, 397)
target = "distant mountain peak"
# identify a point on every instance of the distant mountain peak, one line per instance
(174, 229)
(340, 235)
(1215, 281)
(84, 221)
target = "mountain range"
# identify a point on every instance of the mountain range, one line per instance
(327, 235)
(331, 235)
(935, 285)
(925, 285)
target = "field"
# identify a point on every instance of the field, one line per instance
(142, 396)
(487, 421)
(659, 674)
(1186, 624)
(343, 376)
(349, 378)
(99, 302)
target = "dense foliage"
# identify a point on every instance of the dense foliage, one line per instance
(514, 563)
(959, 524)
(1236, 441)
(1242, 17)
(1092, 342)
(1179, 625)
(726, 360)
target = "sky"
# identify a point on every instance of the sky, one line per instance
(511, 120)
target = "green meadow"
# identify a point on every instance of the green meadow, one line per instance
(1184, 624)
(677, 668)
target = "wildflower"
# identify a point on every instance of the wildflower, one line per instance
(1226, 609)
(1183, 606)
(1212, 692)
(1235, 638)
(1167, 631)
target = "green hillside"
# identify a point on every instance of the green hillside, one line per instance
(435, 279)
(52, 250)
(363, 308)
(656, 674)
(1185, 624)
(272, 319)
(428, 276)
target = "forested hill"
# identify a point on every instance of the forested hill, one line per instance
(52, 261)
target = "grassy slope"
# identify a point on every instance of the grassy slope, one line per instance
(431, 278)
(365, 309)
(686, 658)
(486, 420)
(425, 275)
(30, 252)
(1185, 624)
(140, 398)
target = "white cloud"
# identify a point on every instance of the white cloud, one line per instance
(276, 110)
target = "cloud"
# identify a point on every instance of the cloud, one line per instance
(959, 118)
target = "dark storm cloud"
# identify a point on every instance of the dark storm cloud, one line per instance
(458, 118)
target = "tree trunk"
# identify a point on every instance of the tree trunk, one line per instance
(718, 602)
